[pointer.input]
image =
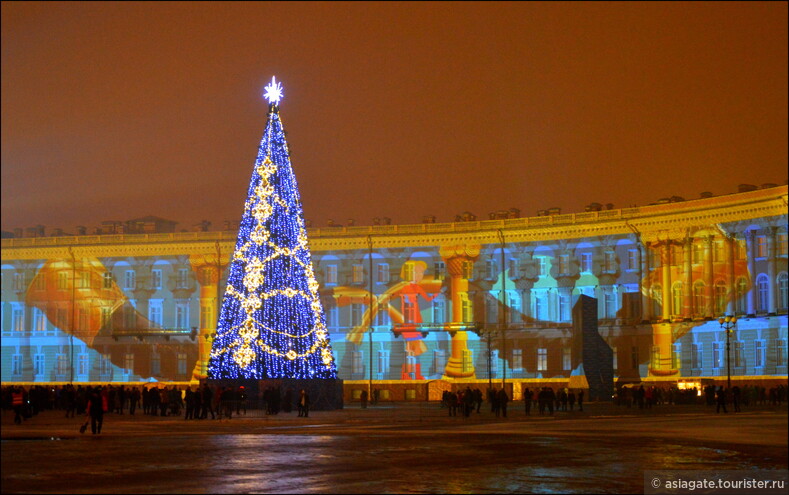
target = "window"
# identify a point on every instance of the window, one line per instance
(717, 251)
(783, 291)
(676, 292)
(38, 364)
(761, 246)
(130, 280)
(357, 366)
(439, 310)
(609, 300)
(740, 249)
(82, 319)
(515, 307)
(382, 273)
(106, 315)
(156, 279)
(334, 317)
(182, 282)
(696, 356)
(696, 253)
(155, 312)
(156, 364)
(331, 275)
(128, 363)
(543, 266)
(610, 262)
(383, 364)
(19, 282)
(780, 352)
(107, 280)
(490, 270)
(85, 280)
(632, 260)
(567, 358)
(564, 306)
(62, 280)
(781, 244)
(742, 295)
(16, 365)
(83, 364)
(716, 355)
(356, 315)
(61, 318)
(699, 302)
(18, 319)
(720, 297)
(540, 307)
(491, 309)
(440, 270)
(181, 357)
(39, 321)
(61, 364)
(409, 311)
(466, 308)
(586, 262)
(105, 365)
(762, 283)
(357, 274)
(759, 353)
(182, 315)
(408, 271)
(564, 264)
(542, 359)
(517, 360)
(382, 316)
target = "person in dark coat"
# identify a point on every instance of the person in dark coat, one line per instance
(95, 410)
(304, 404)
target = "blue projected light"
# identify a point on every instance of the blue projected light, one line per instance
(272, 323)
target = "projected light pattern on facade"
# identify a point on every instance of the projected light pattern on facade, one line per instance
(144, 310)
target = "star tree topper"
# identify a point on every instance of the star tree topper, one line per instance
(273, 91)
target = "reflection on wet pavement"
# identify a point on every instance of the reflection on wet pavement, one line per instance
(408, 463)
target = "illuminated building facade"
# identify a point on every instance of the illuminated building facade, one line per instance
(133, 307)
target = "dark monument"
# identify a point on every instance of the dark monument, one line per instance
(594, 353)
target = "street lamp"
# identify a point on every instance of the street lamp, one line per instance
(728, 324)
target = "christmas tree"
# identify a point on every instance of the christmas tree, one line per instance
(272, 324)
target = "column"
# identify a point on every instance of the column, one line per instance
(731, 305)
(751, 272)
(709, 288)
(772, 294)
(665, 261)
(207, 275)
(454, 257)
(645, 283)
(687, 293)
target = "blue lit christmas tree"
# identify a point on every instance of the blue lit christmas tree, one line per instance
(272, 323)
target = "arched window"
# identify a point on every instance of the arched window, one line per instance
(742, 295)
(720, 297)
(698, 298)
(783, 291)
(763, 286)
(676, 299)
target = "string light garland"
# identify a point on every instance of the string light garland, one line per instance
(272, 323)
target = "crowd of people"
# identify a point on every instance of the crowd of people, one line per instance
(645, 397)
(193, 403)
